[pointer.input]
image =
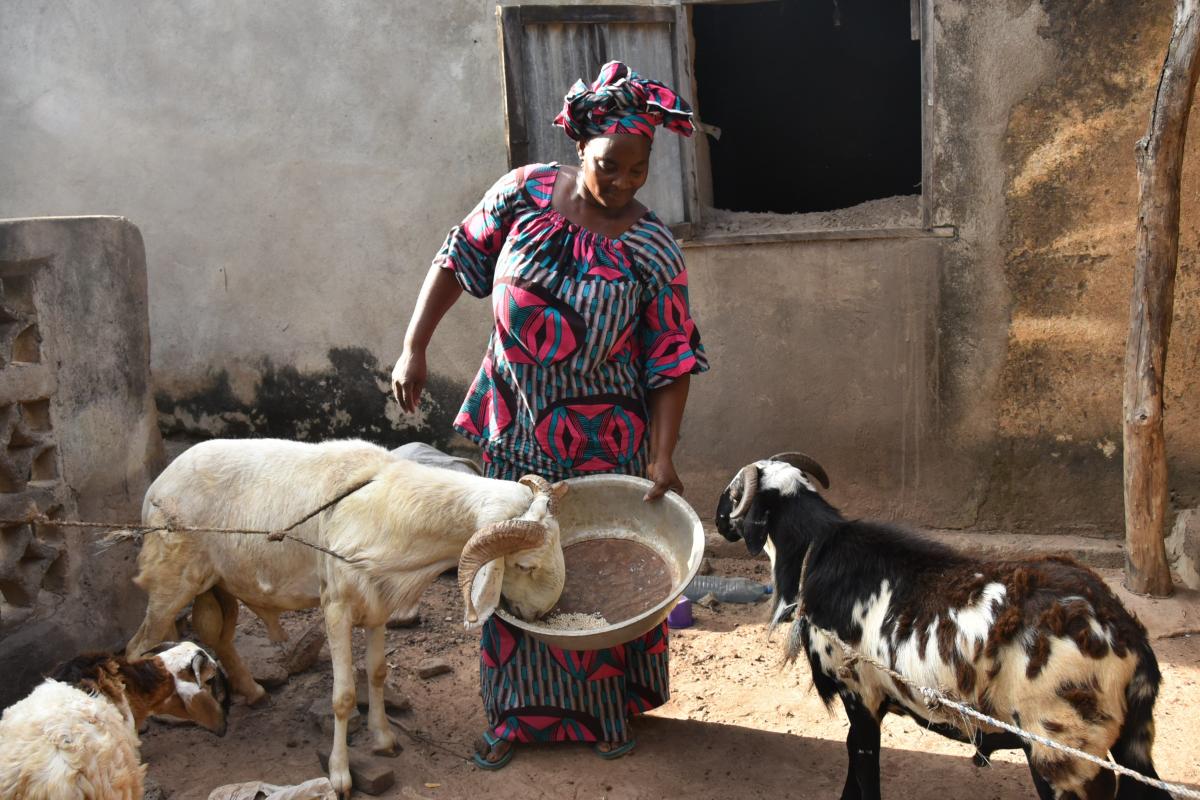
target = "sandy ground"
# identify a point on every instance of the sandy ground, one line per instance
(737, 726)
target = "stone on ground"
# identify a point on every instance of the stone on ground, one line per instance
(305, 651)
(432, 667)
(263, 659)
(320, 713)
(369, 774)
(393, 701)
(152, 790)
(1183, 547)
(410, 621)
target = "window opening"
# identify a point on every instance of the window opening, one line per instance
(818, 102)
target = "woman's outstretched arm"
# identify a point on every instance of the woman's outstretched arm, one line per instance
(666, 415)
(438, 293)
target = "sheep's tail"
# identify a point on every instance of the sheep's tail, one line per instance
(117, 537)
(1136, 739)
(157, 513)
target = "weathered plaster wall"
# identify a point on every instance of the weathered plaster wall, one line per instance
(293, 172)
(825, 346)
(81, 438)
(1034, 111)
(1036, 108)
(1066, 249)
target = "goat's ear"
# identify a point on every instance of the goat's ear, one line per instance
(756, 523)
(485, 591)
(558, 490)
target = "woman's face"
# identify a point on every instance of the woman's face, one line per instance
(615, 167)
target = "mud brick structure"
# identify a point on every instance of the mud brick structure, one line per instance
(30, 481)
(77, 436)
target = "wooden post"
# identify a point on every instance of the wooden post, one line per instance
(1159, 167)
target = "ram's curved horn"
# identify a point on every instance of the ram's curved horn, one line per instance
(495, 541)
(540, 485)
(747, 479)
(804, 463)
(535, 482)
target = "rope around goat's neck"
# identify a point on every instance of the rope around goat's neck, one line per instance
(935, 698)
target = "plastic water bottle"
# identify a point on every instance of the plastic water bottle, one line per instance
(727, 590)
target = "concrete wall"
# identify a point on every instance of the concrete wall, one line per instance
(863, 404)
(1040, 106)
(294, 169)
(80, 436)
(293, 172)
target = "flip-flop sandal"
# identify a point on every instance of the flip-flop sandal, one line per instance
(481, 760)
(616, 752)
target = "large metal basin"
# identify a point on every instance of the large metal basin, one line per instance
(611, 506)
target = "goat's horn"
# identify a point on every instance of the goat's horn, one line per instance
(747, 479)
(199, 662)
(540, 485)
(805, 463)
(491, 542)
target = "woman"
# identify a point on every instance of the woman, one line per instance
(586, 372)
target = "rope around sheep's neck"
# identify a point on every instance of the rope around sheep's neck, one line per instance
(125, 531)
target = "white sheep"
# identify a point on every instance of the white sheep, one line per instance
(75, 736)
(403, 528)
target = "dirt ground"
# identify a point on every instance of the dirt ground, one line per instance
(737, 724)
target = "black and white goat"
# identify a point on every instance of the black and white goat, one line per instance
(1039, 643)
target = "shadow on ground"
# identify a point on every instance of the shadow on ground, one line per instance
(738, 726)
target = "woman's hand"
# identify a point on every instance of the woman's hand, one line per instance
(665, 479)
(408, 378)
(666, 413)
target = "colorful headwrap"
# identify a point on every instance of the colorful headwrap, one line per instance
(621, 101)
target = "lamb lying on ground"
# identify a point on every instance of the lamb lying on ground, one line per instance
(75, 736)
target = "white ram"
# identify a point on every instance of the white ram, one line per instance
(404, 527)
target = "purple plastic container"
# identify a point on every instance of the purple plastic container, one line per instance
(681, 615)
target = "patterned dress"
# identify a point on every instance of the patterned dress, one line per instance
(585, 325)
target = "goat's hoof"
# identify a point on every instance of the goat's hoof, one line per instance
(257, 697)
(386, 744)
(340, 778)
(980, 760)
